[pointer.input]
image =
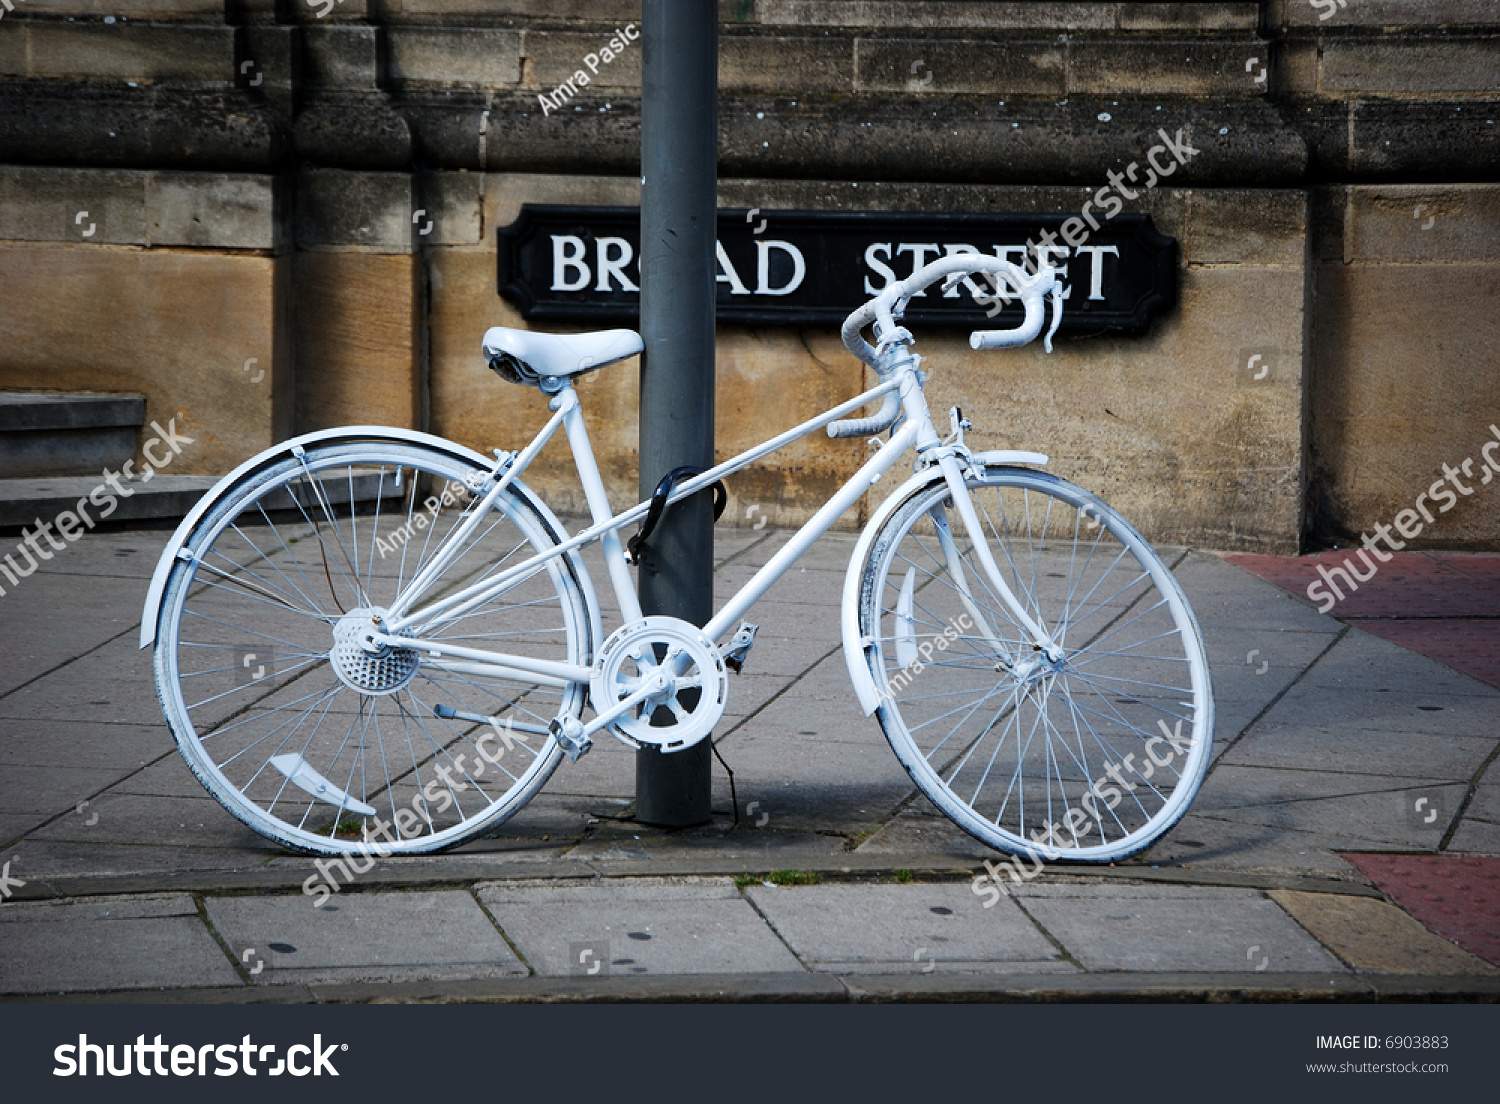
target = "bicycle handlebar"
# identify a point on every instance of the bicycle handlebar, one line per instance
(890, 304)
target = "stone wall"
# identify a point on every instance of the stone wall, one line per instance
(291, 217)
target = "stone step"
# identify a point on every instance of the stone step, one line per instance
(67, 433)
(23, 501)
(162, 498)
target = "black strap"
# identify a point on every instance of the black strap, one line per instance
(659, 506)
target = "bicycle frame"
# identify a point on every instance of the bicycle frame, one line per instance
(405, 627)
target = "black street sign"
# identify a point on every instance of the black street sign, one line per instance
(581, 264)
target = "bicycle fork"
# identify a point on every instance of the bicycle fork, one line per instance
(964, 504)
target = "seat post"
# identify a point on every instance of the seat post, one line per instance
(597, 497)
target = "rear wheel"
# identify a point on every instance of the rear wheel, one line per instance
(1090, 757)
(312, 740)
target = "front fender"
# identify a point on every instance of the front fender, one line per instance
(349, 434)
(855, 645)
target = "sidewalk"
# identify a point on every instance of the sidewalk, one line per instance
(1340, 847)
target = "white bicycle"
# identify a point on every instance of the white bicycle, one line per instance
(376, 633)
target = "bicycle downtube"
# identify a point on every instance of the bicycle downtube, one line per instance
(965, 506)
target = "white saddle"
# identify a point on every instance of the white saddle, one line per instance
(528, 357)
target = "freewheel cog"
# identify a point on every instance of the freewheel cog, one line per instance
(696, 689)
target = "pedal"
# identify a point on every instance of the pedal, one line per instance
(568, 731)
(739, 646)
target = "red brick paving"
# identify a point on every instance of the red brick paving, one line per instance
(1444, 605)
(1456, 896)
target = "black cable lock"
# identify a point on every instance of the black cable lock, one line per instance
(659, 507)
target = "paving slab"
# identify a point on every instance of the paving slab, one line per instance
(361, 937)
(32, 643)
(1174, 928)
(43, 742)
(1408, 812)
(917, 928)
(1470, 647)
(1332, 748)
(1376, 937)
(44, 859)
(1361, 660)
(156, 821)
(48, 790)
(121, 943)
(1456, 897)
(1200, 842)
(639, 926)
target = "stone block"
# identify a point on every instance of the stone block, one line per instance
(1407, 367)
(340, 56)
(357, 340)
(375, 936)
(1451, 65)
(98, 51)
(786, 64)
(904, 929)
(1191, 929)
(370, 209)
(1241, 226)
(87, 206)
(1423, 224)
(456, 202)
(1386, 13)
(906, 13)
(215, 210)
(946, 66)
(176, 327)
(637, 926)
(471, 55)
(555, 56)
(1164, 66)
(1241, 17)
(1422, 139)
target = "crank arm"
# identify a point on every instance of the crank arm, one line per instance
(575, 737)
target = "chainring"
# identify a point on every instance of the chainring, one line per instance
(680, 716)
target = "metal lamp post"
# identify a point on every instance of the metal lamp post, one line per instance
(679, 155)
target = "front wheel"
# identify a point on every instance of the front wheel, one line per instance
(1087, 757)
(314, 741)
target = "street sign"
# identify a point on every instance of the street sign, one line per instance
(581, 264)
